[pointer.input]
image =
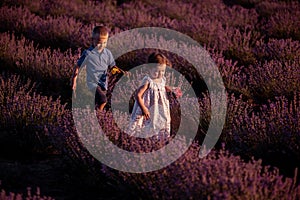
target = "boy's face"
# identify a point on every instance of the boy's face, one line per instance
(158, 71)
(100, 42)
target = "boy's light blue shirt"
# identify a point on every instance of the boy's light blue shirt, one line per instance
(96, 66)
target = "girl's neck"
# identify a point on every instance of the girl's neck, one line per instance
(157, 80)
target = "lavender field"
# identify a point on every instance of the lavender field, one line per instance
(256, 47)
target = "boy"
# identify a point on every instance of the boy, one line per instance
(98, 60)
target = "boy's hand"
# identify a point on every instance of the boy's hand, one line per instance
(117, 70)
(73, 85)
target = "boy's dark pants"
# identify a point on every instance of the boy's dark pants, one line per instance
(100, 96)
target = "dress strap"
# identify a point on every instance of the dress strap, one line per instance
(147, 79)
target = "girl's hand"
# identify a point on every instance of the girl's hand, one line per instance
(177, 91)
(146, 113)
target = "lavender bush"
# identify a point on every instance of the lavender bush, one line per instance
(277, 49)
(275, 128)
(273, 79)
(45, 31)
(219, 175)
(280, 19)
(26, 116)
(29, 195)
(214, 27)
(50, 67)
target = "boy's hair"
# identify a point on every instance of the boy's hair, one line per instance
(102, 30)
(159, 58)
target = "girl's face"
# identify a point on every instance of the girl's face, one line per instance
(100, 42)
(158, 71)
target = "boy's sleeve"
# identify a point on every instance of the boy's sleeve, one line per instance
(111, 60)
(82, 58)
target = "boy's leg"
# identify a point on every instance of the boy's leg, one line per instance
(101, 106)
(100, 98)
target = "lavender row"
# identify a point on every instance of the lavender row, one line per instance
(51, 30)
(44, 63)
(214, 19)
(278, 19)
(273, 69)
(220, 175)
(275, 24)
(268, 131)
(241, 45)
(51, 68)
(25, 109)
(29, 195)
(66, 32)
(258, 82)
(114, 13)
(251, 129)
(39, 122)
(274, 78)
(245, 44)
(26, 113)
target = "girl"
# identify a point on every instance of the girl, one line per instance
(151, 113)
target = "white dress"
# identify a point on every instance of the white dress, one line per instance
(155, 99)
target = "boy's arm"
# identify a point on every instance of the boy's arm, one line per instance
(80, 62)
(74, 77)
(113, 68)
(139, 98)
(116, 70)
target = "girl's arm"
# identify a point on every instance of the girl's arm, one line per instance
(139, 97)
